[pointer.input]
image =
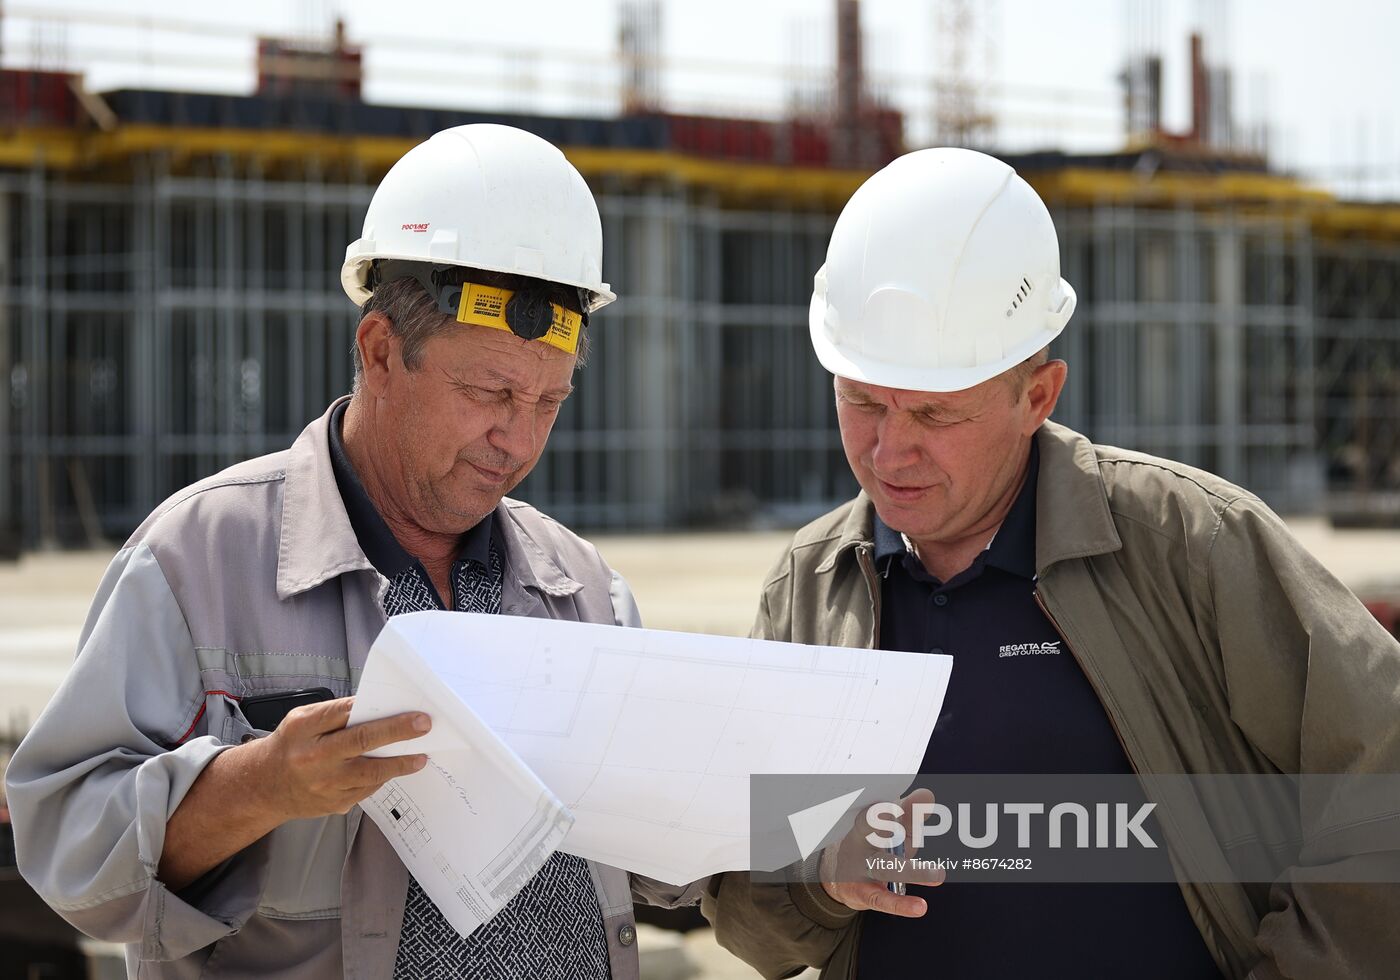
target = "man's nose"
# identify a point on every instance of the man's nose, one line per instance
(897, 444)
(514, 433)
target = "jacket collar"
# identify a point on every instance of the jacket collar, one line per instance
(857, 532)
(525, 560)
(1072, 516)
(1069, 483)
(318, 542)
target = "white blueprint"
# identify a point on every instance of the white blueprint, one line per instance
(649, 737)
(475, 824)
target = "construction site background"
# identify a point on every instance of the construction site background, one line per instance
(170, 299)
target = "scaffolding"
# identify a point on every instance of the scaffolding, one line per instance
(157, 329)
(1241, 324)
(173, 308)
(1193, 342)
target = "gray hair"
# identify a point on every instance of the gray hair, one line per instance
(415, 319)
(1020, 375)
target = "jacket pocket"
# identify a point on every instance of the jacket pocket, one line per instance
(305, 857)
(236, 729)
(304, 866)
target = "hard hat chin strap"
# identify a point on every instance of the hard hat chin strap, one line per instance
(527, 313)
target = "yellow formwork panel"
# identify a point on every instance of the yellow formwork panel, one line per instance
(67, 150)
(1249, 193)
(1081, 186)
(822, 187)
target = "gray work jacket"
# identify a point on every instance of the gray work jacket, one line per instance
(251, 582)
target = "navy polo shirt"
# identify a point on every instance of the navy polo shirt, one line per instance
(1017, 702)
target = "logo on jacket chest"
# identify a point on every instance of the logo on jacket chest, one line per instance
(1029, 649)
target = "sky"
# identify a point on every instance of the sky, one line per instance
(1320, 76)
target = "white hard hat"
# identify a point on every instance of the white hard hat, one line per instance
(943, 271)
(488, 197)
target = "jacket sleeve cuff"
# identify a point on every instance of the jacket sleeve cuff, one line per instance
(625, 611)
(219, 902)
(649, 891)
(812, 900)
(212, 908)
(137, 908)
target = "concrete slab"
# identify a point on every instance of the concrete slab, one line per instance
(697, 582)
(706, 583)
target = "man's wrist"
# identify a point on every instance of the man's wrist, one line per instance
(814, 898)
(252, 772)
(826, 871)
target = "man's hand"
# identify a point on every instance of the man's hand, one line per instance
(311, 766)
(847, 876)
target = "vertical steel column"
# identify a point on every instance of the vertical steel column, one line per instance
(253, 203)
(162, 364)
(1229, 351)
(8, 518)
(56, 368)
(141, 346)
(1123, 407)
(1312, 481)
(36, 527)
(653, 382)
(230, 435)
(1105, 328)
(312, 270)
(303, 371)
(709, 351)
(203, 387)
(1190, 365)
(684, 344)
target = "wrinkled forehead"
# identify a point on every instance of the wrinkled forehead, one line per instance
(912, 400)
(479, 355)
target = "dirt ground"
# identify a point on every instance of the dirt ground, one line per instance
(696, 582)
(705, 583)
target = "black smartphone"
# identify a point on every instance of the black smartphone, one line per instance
(266, 711)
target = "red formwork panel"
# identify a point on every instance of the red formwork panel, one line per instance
(799, 142)
(37, 98)
(717, 138)
(809, 143)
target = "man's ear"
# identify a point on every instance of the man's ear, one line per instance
(1043, 391)
(374, 338)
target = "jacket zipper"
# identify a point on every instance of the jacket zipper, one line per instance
(1208, 891)
(872, 582)
(1035, 593)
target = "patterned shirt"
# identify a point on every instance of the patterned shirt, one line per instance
(553, 928)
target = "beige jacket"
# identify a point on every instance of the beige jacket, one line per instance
(249, 582)
(1216, 643)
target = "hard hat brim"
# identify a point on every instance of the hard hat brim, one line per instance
(354, 272)
(885, 374)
